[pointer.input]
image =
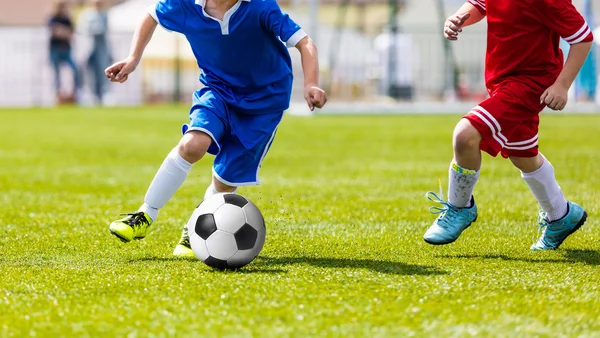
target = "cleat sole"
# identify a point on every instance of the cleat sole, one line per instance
(581, 222)
(452, 241)
(122, 239)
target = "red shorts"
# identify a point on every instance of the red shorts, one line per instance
(509, 119)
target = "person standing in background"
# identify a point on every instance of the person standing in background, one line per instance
(94, 24)
(61, 36)
(405, 63)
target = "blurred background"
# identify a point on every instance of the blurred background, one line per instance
(375, 55)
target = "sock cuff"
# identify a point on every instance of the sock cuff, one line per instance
(181, 162)
(545, 164)
(457, 168)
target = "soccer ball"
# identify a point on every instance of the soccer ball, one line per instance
(227, 231)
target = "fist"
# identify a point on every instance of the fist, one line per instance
(119, 72)
(454, 24)
(555, 97)
(315, 97)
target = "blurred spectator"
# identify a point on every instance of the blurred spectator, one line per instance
(94, 24)
(404, 54)
(61, 36)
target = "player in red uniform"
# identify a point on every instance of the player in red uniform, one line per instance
(524, 73)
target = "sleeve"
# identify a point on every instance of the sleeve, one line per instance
(479, 4)
(282, 26)
(170, 14)
(563, 18)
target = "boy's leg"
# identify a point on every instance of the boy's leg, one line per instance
(560, 217)
(459, 211)
(237, 164)
(464, 169)
(218, 187)
(174, 170)
(538, 173)
(169, 178)
(202, 135)
(183, 248)
(481, 129)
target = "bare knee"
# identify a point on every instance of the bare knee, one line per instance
(527, 164)
(194, 145)
(466, 137)
(222, 187)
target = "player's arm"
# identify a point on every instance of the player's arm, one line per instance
(470, 13)
(120, 71)
(556, 96)
(563, 18)
(315, 96)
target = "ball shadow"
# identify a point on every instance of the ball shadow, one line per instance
(249, 269)
(380, 266)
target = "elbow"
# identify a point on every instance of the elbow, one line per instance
(307, 45)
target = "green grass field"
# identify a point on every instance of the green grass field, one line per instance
(343, 200)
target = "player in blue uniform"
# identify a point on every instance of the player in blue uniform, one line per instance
(246, 70)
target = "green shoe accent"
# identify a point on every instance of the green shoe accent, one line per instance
(183, 248)
(134, 226)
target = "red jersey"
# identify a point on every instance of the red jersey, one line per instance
(523, 39)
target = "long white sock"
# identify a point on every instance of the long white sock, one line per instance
(168, 179)
(546, 190)
(210, 191)
(461, 184)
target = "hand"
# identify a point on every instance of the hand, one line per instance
(454, 24)
(119, 72)
(555, 97)
(315, 97)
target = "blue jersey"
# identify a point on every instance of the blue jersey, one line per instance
(242, 58)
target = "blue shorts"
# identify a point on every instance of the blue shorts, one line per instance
(240, 141)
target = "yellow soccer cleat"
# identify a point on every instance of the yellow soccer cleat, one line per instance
(183, 248)
(134, 226)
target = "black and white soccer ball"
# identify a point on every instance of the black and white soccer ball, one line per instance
(227, 231)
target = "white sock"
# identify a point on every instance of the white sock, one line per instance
(546, 190)
(168, 179)
(461, 184)
(210, 191)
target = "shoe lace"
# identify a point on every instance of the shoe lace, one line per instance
(136, 219)
(543, 222)
(442, 210)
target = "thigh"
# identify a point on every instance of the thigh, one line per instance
(523, 141)
(508, 121)
(245, 147)
(209, 114)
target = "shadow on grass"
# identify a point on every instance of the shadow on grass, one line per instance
(252, 268)
(506, 258)
(589, 257)
(394, 268)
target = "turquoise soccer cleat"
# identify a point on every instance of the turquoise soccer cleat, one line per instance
(556, 232)
(451, 222)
